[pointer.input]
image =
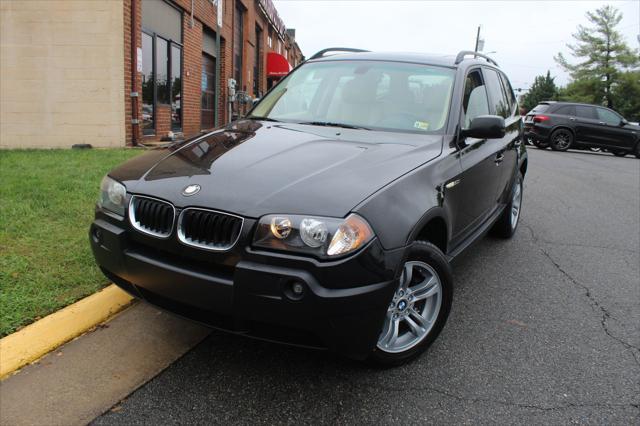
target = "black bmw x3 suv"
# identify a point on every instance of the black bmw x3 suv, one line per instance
(328, 216)
(564, 125)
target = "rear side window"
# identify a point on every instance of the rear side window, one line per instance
(475, 98)
(565, 110)
(497, 96)
(583, 111)
(513, 103)
(608, 117)
(540, 108)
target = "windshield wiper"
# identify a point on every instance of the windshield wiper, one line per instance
(330, 124)
(255, 117)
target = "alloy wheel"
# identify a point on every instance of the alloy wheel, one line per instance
(413, 310)
(562, 140)
(516, 203)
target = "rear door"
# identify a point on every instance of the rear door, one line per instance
(610, 133)
(502, 102)
(586, 124)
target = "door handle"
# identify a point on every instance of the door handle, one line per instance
(572, 118)
(499, 159)
(603, 123)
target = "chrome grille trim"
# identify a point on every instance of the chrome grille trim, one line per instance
(141, 228)
(189, 242)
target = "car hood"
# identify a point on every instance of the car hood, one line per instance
(255, 168)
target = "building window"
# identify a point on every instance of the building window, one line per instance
(162, 72)
(161, 63)
(148, 124)
(270, 39)
(238, 32)
(161, 81)
(257, 63)
(176, 87)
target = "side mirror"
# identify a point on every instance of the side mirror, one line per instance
(623, 122)
(486, 127)
(255, 101)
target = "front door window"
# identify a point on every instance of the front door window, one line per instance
(608, 117)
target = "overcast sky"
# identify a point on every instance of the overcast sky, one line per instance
(525, 34)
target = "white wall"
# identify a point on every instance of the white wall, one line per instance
(61, 73)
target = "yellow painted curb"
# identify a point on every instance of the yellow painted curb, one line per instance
(43, 336)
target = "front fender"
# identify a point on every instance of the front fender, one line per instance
(397, 211)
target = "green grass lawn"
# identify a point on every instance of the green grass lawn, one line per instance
(47, 199)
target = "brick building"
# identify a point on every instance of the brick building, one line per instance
(177, 44)
(118, 72)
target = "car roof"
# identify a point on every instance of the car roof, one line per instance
(443, 60)
(569, 103)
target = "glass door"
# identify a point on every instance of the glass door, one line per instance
(207, 85)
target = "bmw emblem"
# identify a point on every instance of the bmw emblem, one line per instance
(191, 190)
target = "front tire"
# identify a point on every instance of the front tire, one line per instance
(419, 307)
(619, 153)
(540, 144)
(561, 139)
(637, 151)
(507, 224)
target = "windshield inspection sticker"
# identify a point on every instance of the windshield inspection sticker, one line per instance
(422, 125)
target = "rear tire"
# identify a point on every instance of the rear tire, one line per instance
(507, 224)
(561, 139)
(637, 152)
(425, 288)
(619, 153)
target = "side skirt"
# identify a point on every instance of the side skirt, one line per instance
(476, 235)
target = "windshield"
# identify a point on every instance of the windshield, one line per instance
(362, 94)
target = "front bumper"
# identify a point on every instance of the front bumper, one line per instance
(246, 291)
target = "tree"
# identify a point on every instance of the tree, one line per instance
(626, 95)
(543, 89)
(604, 56)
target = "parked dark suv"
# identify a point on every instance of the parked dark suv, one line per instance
(328, 216)
(564, 125)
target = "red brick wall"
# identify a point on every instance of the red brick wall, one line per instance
(191, 74)
(129, 128)
(163, 120)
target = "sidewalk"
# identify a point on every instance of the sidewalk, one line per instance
(87, 376)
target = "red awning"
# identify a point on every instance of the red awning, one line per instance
(277, 65)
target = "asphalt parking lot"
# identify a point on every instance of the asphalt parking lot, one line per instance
(545, 328)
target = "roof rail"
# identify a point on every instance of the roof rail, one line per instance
(323, 52)
(462, 54)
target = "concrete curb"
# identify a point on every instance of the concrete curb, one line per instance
(43, 336)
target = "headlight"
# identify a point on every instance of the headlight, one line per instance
(113, 196)
(319, 236)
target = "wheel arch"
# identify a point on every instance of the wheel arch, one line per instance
(523, 166)
(565, 127)
(432, 227)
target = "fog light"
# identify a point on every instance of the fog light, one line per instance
(97, 235)
(294, 289)
(297, 289)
